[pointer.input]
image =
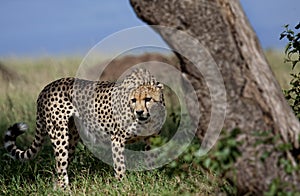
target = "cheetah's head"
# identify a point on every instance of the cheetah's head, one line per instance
(144, 99)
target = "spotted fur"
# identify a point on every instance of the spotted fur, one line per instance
(122, 112)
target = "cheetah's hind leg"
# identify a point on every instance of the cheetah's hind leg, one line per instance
(73, 138)
(59, 137)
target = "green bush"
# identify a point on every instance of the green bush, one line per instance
(292, 53)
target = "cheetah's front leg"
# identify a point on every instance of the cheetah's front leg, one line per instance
(118, 147)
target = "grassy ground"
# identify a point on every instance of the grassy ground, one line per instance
(88, 175)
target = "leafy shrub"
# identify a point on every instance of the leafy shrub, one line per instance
(292, 53)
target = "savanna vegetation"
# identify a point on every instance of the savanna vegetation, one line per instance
(22, 80)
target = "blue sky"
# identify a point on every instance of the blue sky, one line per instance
(59, 27)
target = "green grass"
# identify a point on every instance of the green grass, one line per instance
(88, 175)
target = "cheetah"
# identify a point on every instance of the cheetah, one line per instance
(123, 112)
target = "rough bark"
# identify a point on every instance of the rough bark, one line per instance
(255, 100)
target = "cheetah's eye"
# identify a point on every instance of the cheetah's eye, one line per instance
(147, 99)
(133, 100)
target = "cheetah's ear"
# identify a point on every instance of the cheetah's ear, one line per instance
(160, 85)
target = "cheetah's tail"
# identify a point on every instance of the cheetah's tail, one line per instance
(10, 142)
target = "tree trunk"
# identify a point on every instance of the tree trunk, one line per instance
(254, 99)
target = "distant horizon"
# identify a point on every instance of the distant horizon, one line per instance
(45, 55)
(59, 28)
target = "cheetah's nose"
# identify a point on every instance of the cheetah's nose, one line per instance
(139, 112)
